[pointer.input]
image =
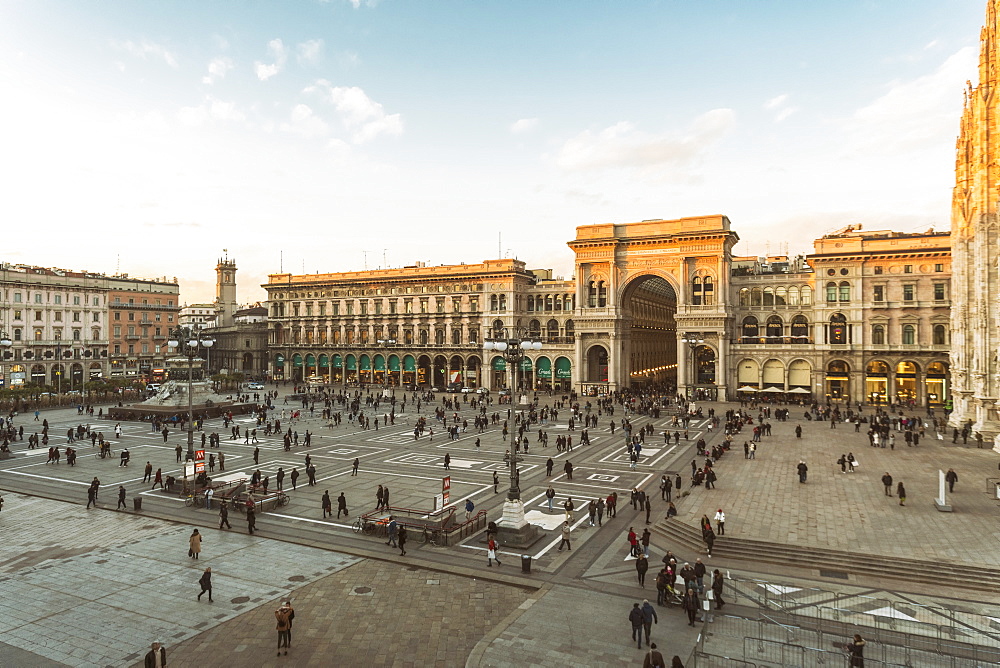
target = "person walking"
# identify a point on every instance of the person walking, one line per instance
(951, 478)
(803, 470)
(378, 498)
(294, 476)
(392, 529)
(568, 507)
(496, 482)
(447, 461)
(548, 467)
(691, 604)
(550, 494)
(718, 583)
(284, 627)
(147, 472)
(355, 465)
(256, 456)
(157, 479)
(635, 618)
(194, 544)
(342, 505)
(565, 537)
(568, 470)
(649, 509)
(648, 618)
(469, 507)
(224, 516)
(633, 542)
(887, 483)
(251, 520)
(91, 496)
(491, 552)
(121, 498)
(901, 493)
(644, 541)
(720, 522)
(641, 567)
(156, 657)
(327, 504)
(206, 584)
(402, 541)
(654, 659)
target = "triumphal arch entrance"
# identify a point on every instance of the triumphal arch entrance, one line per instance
(653, 305)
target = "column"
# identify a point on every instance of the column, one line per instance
(613, 353)
(722, 368)
(683, 364)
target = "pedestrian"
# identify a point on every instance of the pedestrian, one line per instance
(206, 584)
(951, 478)
(280, 478)
(592, 512)
(641, 566)
(378, 498)
(720, 522)
(224, 516)
(222, 462)
(600, 511)
(194, 544)
(550, 494)
(156, 657)
(565, 537)
(402, 541)
(887, 483)
(447, 461)
(327, 504)
(718, 582)
(355, 465)
(392, 529)
(91, 496)
(548, 467)
(649, 509)
(633, 543)
(803, 470)
(469, 507)
(568, 470)
(385, 498)
(496, 482)
(901, 493)
(654, 659)
(251, 520)
(648, 618)
(121, 497)
(691, 605)
(635, 617)
(147, 473)
(491, 552)
(857, 650)
(709, 537)
(341, 505)
(568, 507)
(284, 626)
(294, 476)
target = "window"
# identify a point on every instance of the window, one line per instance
(350, 307)
(439, 304)
(76, 335)
(97, 301)
(17, 334)
(878, 270)
(131, 349)
(95, 334)
(939, 268)
(97, 317)
(38, 315)
(364, 307)
(878, 335)
(908, 291)
(76, 301)
(17, 297)
(591, 294)
(322, 308)
(939, 292)
(800, 329)
(145, 348)
(474, 304)
(38, 297)
(118, 349)
(408, 306)
(845, 291)
(751, 330)
(309, 309)
(38, 335)
(131, 317)
(58, 299)
(909, 335)
(118, 331)
(907, 268)
(392, 306)
(696, 291)
(831, 292)
(423, 305)
(57, 334)
(768, 296)
(939, 334)
(456, 304)
(58, 316)
(17, 315)
(602, 294)
(378, 307)
(838, 330)
(775, 329)
(879, 293)
(76, 316)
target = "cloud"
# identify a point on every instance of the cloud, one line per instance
(523, 125)
(781, 106)
(309, 52)
(217, 69)
(349, 59)
(913, 115)
(211, 110)
(623, 146)
(304, 122)
(275, 49)
(146, 50)
(361, 116)
(357, 4)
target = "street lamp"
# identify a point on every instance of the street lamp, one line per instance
(386, 343)
(187, 342)
(514, 345)
(693, 340)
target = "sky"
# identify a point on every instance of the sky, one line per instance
(152, 138)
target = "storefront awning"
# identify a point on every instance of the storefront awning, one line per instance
(543, 366)
(563, 368)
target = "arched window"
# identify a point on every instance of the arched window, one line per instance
(768, 296)
(592, 294)
(779, 296)
(755, 297)
(751, 330)
(696, 291)
(831, 292)
(570, 331)
(38, 335)
(531, 304)
(878, 335)
(95, 334)
(503, 302)
(497, 329)
(909, 335)
(838, 330)
(423, 337)
(800, 329)
(775, 329)
(548, 302)
(534, 328)
(407, 337)
(439, 336)
(494, 302)
(845, 291)
(557, 303)
(940, 335)
(744, 296)
(793, 296)
(805, 295)
(456, 336)
(602, 294)
(552, 328)
(708, 291)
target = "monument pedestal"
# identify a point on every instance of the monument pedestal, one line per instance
(513, 530)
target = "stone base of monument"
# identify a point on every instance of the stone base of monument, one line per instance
(943, 507)
(512, 529)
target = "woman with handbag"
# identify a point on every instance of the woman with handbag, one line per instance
(194, 544)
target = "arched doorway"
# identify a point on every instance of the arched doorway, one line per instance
(837, 380)
(648, 305)
(423, 377)
(472, 377)
(936, 383)
(438, 378)
(247, 362)
(597, 365)
(456, 367)
(704, 378)
(877, 382)
(906, 383)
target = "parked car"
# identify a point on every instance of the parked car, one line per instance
(255, 386)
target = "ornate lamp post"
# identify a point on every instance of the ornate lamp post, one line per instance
(514, 530)
(693, 340)
(386, 344)
(5, 344)
(187, 342)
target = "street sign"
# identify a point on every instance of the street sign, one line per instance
(199, 456)
(199, 467)
(445, 490)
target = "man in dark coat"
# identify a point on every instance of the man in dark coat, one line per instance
(691, 604)
(156, 657)
(635, 618)
(206, 584)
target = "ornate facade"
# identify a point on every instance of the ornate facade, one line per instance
(975, 239)
(862, 319)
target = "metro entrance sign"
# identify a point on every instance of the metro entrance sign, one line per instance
(445, 491)
(199, 461)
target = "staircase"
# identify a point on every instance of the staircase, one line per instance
(682, 537)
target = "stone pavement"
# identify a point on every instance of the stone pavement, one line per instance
(763, 499)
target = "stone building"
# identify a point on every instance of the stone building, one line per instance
(863, 318)
(141, 313)
(975, 321)
(240, 333)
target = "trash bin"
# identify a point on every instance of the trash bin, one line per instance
(137, 503)
(525, 563)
